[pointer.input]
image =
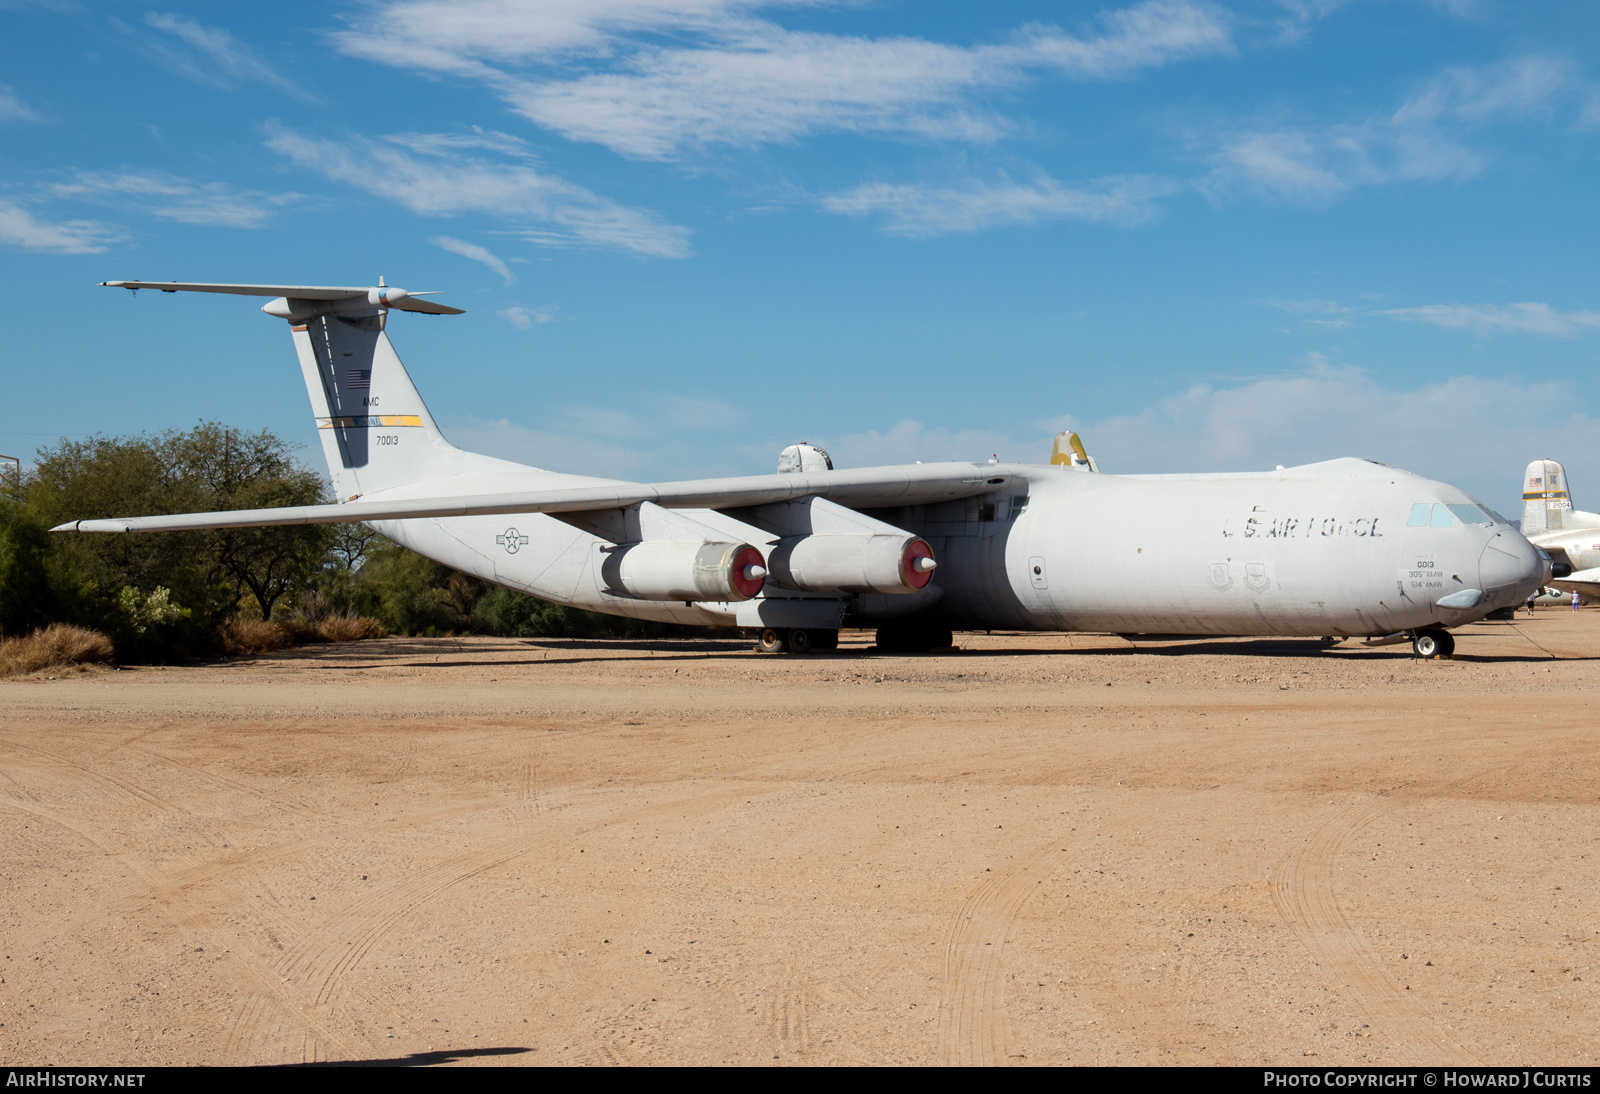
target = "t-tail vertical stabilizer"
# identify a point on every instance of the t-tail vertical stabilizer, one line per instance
(376, 431)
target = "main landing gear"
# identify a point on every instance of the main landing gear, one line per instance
(795, 640)
(1430, 644)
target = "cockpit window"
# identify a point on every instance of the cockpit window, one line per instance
(1437, 515)
(1493, 516)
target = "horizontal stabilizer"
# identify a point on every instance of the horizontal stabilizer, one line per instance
(872, 488)
(376, 295)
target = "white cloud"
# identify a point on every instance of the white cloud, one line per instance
(483, 255)
(523, 319)
(698, 414)
(1322, 314)
(20, 228)
(731, 78)
(1146, 35)
(1311, 307)
(909, 441)
(1486, 319)
(212, 56)
(1473, 432)
(926, 210)
(540, 448)
(1514, 89)
(13, 109)
(170, 197)
(446, 183)
(452, 35)
(1421, 140)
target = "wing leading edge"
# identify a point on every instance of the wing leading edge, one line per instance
(867, 488)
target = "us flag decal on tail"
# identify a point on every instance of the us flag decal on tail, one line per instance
(358, 379)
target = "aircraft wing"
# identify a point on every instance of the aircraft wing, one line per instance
(408, 301)
(862, 489)
(1586, 582)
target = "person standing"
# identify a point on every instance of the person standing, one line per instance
(1574, 599)
(1533, 598)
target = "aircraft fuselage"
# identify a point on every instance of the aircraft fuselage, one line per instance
(1326, 549)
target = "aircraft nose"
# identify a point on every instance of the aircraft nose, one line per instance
(1509, 569)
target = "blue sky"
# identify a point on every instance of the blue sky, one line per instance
(1211, 236)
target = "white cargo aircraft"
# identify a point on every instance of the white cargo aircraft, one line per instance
(1570, 536)
(1347, 547)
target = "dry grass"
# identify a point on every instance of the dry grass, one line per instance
(351, 628)
(248, 637)
(54, 647)
(251, 636)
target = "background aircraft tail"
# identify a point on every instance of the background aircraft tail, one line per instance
(1545, 500)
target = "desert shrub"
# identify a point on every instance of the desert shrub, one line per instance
(404, 592)
(56, 646)
(153, 628)
(300, 632)
(351, 628)
(252, 636)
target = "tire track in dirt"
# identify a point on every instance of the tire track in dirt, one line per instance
(288, 805)
(126, 787)
(788, 1013)
(319, 963)
(1305, 887)
(185, 916)
(973, 1024)
(974, 1028)
(289, 1017)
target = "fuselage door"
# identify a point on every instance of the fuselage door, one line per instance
(1036, 573)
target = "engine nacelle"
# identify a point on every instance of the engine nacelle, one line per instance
(684, 570)
(853, 563)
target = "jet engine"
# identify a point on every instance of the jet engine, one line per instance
(853, 563)
(684, 570)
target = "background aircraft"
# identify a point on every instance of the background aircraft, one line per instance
(1346, 547)
(1570, 536)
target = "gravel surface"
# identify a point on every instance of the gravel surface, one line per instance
(1035, 849)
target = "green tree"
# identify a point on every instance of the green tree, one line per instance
(211, 467)
(236, 470)
(26, 599)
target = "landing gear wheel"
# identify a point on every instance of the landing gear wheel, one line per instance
(772, 640)
(1430, 644)
(799, 641)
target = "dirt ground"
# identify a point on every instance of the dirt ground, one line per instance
(1041, 849)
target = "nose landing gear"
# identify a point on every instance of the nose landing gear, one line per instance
(1430, 644)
